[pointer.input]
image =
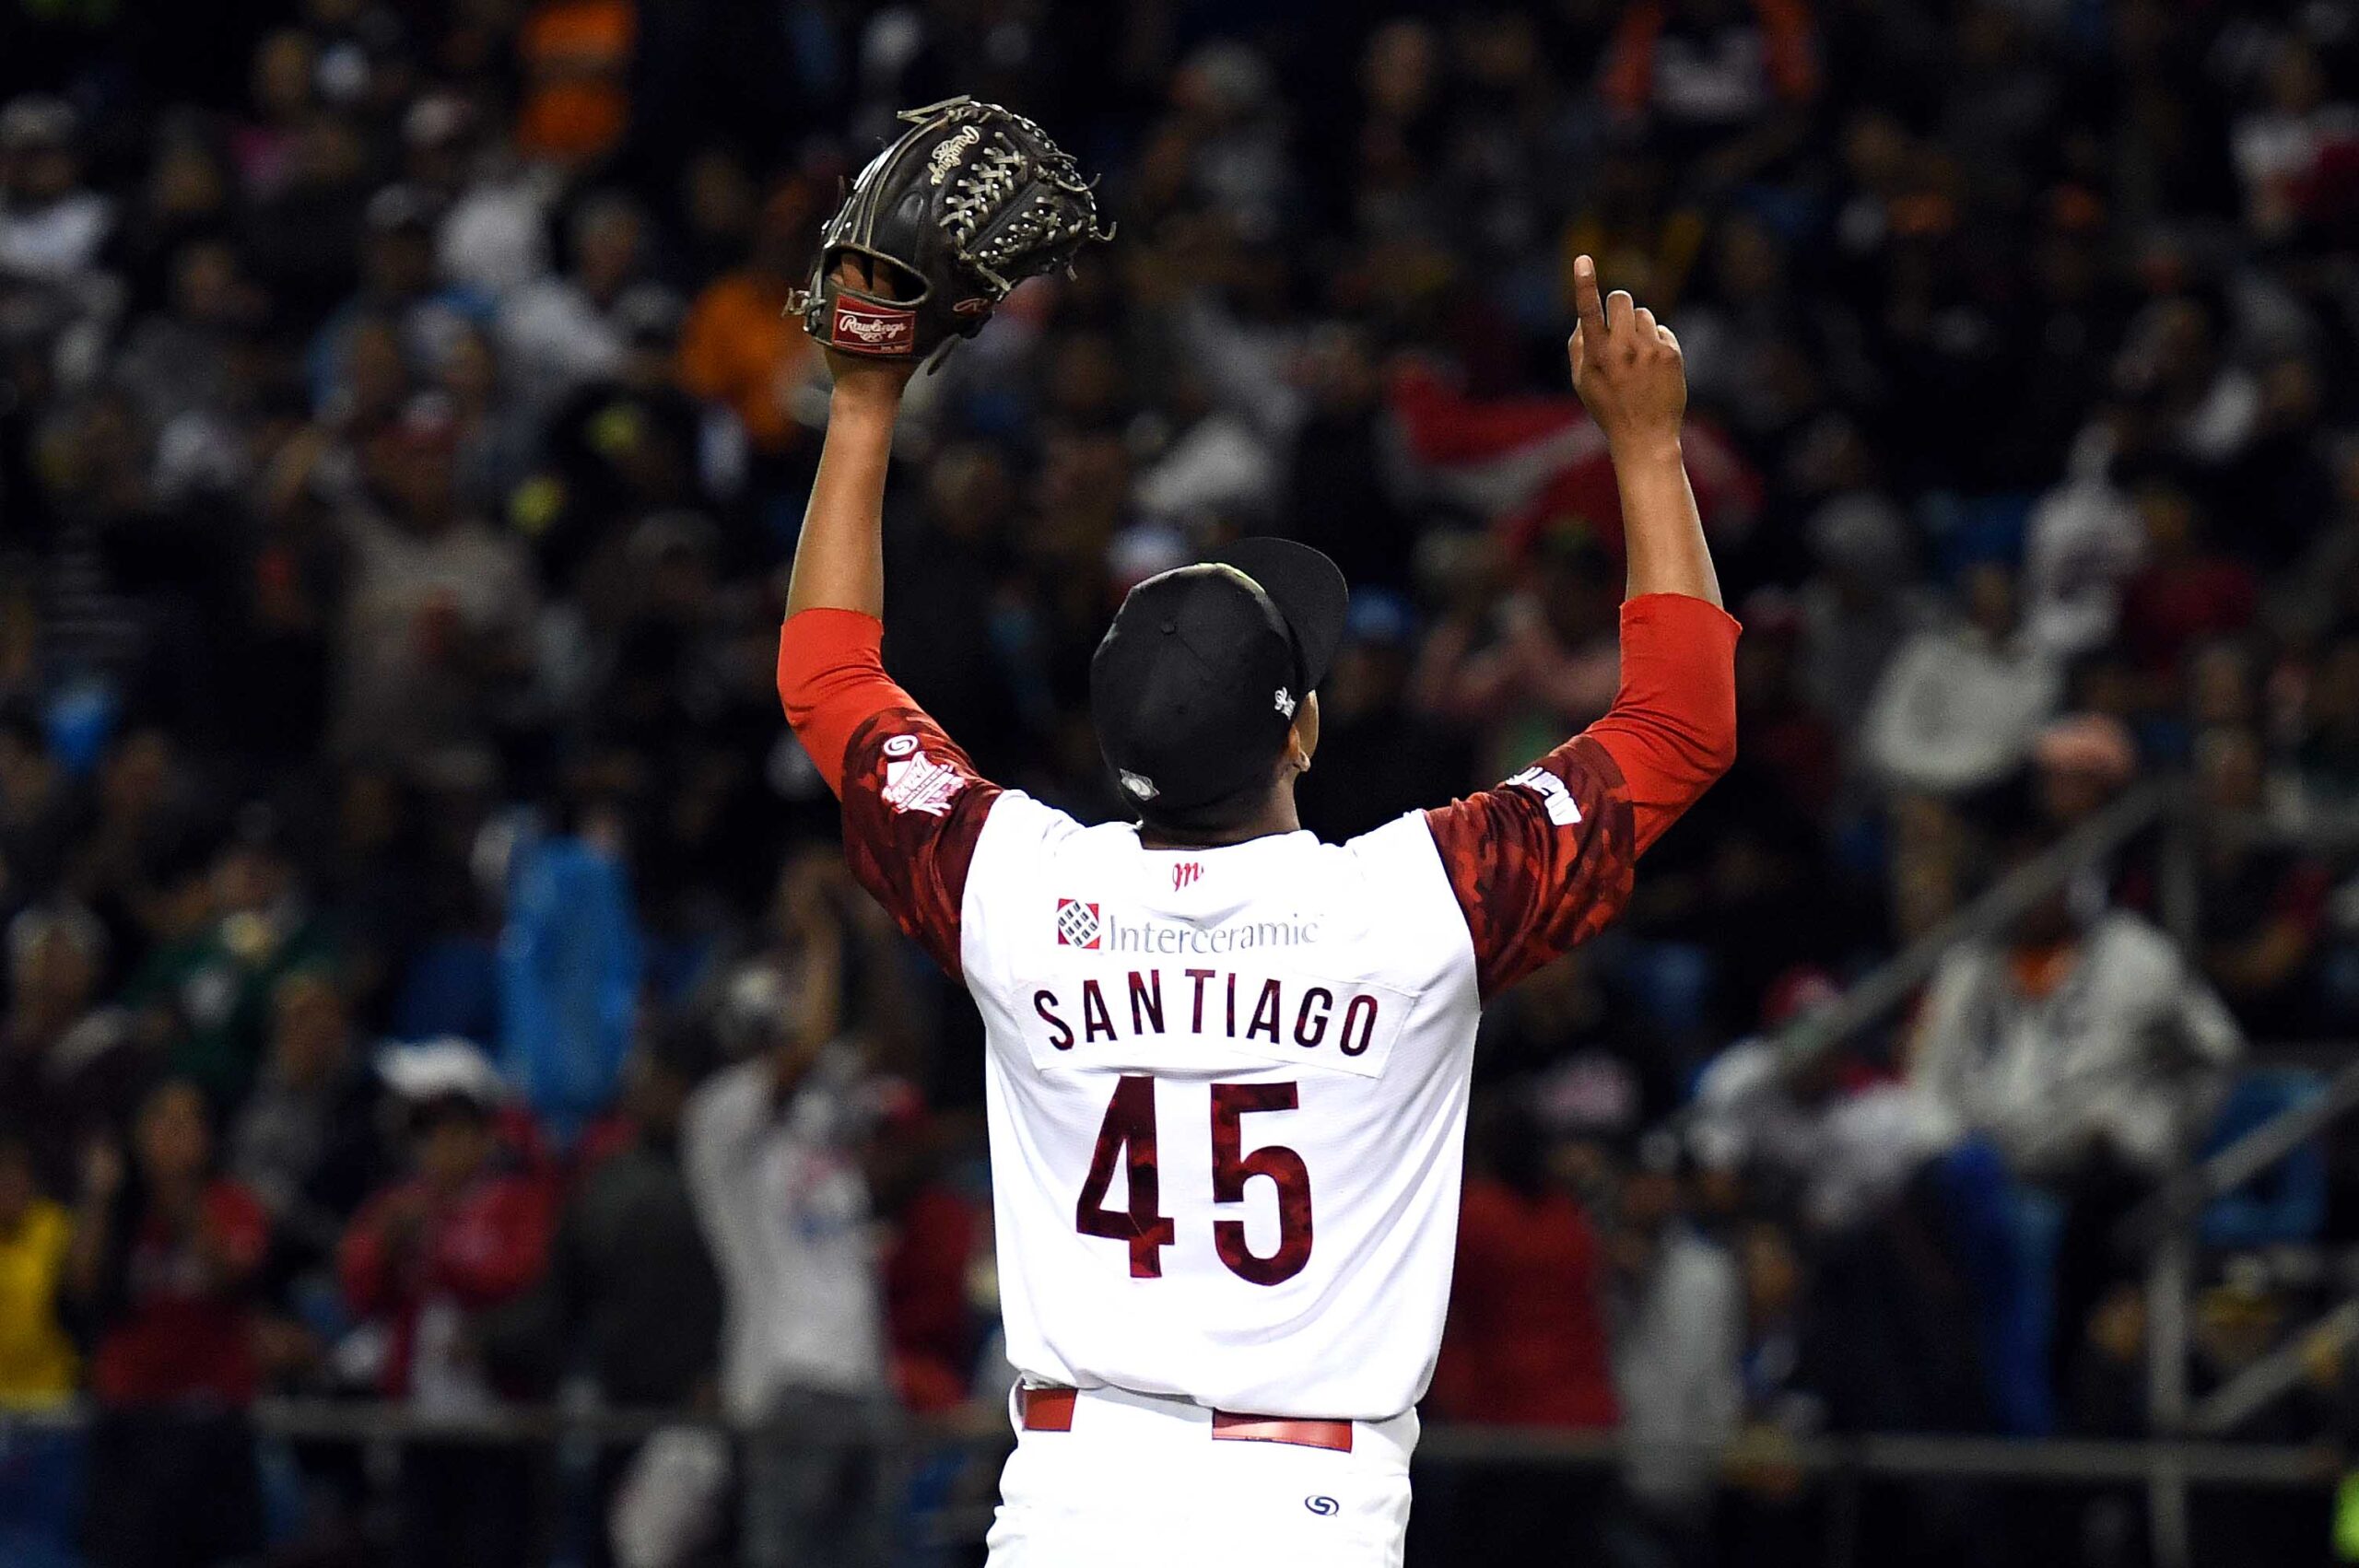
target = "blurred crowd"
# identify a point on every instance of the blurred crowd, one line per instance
(428, 972)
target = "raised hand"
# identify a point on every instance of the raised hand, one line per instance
(861, 374)
(1626, 367)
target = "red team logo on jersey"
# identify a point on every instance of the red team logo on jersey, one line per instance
(1076, 923)
(1185, 873)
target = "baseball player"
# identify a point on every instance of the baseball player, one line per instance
(1228, 1064)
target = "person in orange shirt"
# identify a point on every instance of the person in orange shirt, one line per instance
(577, 56)
(740, 347)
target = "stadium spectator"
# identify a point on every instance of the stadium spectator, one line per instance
(2185, 593)
(165, 1259)
(306, 1142)
(771, 1150)
(1526, 1344)
(69, 1066)
(630, 1279)
(51, 224)
(1378, 757)
(184, 360)
(576, 56)
(1961, 703)
(1839, 1154)
(2262, 907)
(630, 1298)
(570, 973)
(1717, 74)
(210, 983)
(438, 604)
(1679, 1337)
(738, 348)
(2075, 1039)
(625, 445)
(398, 290)
(38, 1362)
(939, 1234)
(423, 1261)
(2091, 1053)
(1768, 1504)
(557, 332)
(1545, 661)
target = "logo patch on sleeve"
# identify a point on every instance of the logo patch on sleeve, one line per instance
(915, 782)
(1563, 809)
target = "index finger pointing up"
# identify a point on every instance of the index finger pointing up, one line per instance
(1587, 303)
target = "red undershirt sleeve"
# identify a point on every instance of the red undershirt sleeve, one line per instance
(913, 804)
(1673, 726)
(1544, 862)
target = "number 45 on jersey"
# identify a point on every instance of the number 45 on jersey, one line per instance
(1127, 1134)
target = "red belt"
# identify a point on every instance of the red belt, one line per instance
(1050, 1409)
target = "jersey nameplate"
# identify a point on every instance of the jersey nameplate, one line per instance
(1197, 1017)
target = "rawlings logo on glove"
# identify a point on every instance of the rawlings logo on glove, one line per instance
(860, 329)
(970, 201)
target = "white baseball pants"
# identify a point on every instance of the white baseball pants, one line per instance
(1140, 1481)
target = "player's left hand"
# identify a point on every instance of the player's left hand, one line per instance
(864, 374)
(970, 201)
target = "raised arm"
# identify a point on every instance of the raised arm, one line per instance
(913, 804)
(840, 559)
(1673, 727)
(1542, 862)
(829, 676)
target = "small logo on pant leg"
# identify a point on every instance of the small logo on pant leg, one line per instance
(1325, 1507)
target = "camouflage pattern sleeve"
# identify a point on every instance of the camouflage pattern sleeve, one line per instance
(1539, 864)
(913, 805)
(913, 808)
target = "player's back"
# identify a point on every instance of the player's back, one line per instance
(1227, 1093)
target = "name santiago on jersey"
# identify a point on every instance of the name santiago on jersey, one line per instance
(1088, 1018)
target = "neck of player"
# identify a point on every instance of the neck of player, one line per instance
(1277, 816)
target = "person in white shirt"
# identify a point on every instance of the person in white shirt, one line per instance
(2089, 1051)
(50, 226)
(1678, 1341)
(1961, 703)
(2059, 1047)
(770, 1148)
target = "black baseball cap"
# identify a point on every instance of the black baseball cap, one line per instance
(1198, 677)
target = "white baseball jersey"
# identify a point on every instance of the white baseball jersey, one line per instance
(1227, 1088)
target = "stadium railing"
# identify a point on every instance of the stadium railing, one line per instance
(1844, 1466)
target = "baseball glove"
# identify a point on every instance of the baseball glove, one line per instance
(970, 201)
